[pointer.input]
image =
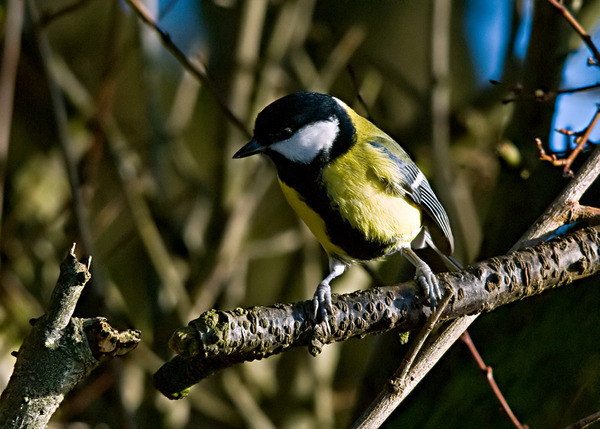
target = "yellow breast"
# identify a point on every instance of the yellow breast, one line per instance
(366, 202)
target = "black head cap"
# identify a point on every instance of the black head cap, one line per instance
(282, 118)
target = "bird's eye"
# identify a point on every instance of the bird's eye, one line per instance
(284, 134)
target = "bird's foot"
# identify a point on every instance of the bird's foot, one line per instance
(322, 302)
(429, 282)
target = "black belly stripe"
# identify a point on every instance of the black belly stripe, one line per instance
(339, 230)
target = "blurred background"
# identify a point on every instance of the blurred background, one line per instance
(106, 141)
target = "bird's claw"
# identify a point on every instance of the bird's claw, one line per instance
(429, 282)
(322, 302)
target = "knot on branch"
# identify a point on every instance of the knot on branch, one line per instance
(107, 342)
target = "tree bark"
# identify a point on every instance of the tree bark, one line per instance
(218, 339)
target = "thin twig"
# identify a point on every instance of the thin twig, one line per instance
(581, 140)
(402, 372)
(540, 95)
(357, 92)
(578, 29)
(578, 89)
(392, 395)
(181, 57)
(338, 58)
(565, 206)
(586, 421)
(489, 375)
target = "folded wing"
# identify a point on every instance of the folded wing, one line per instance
(402, 176)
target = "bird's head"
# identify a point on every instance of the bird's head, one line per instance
(300, 128)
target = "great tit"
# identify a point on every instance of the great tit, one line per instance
(355, 188)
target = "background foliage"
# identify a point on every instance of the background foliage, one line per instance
(137, 170)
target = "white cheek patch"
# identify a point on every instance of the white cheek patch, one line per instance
(309, 141)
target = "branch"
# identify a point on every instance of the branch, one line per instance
(586, 421)
(219, 339)
(59, 352)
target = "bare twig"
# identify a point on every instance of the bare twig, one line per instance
(450, 184)
(541, 95)
(402, 372)
(340, 55)
(581, 140)
(586, 421)
(565, 208)
(578, 89)
(545, 95)
(489, 375)
(558, 5)
(194, 69)
(389, 398)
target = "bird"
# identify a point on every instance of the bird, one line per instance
(354, 186)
